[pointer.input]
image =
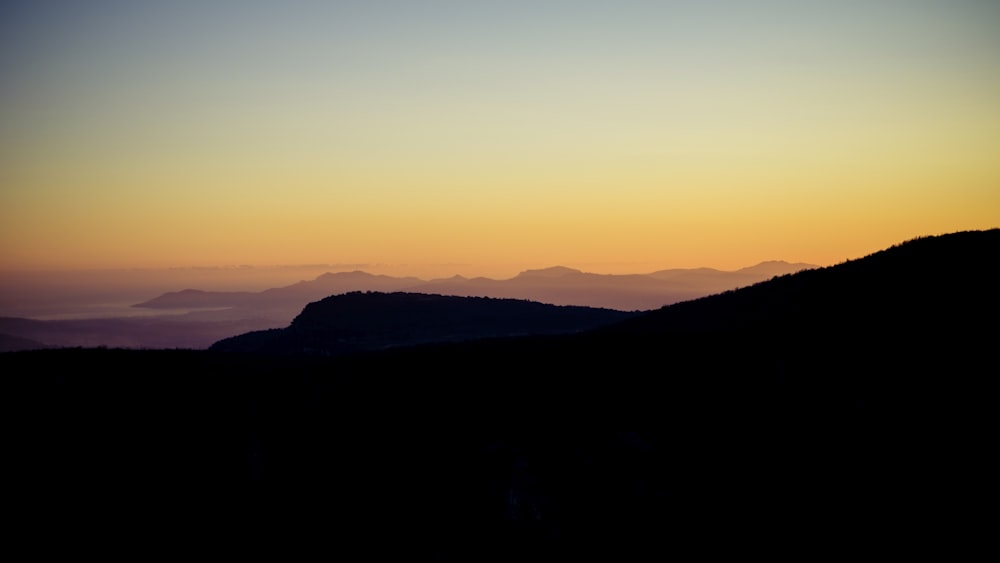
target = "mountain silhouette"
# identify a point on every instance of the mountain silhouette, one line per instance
(921, 285)
(557, 285)
(627, 292)
(836, 411)
(358, 321)
(193, 318)
(278, 302)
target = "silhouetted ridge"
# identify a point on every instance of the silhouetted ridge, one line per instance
(557, 286)
(923, 284)
(373, 320)
(838, 411)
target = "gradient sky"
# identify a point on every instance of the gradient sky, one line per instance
(590, 134)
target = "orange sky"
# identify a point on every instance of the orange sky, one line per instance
(610, 136)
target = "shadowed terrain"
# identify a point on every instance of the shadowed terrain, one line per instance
(834, 411)
(358, 321)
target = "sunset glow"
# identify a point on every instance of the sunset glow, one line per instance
(613, 136)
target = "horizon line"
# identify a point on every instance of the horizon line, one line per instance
(342, 267)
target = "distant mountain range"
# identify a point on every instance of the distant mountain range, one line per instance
(833, 411)
(556, 286)
(195, 318)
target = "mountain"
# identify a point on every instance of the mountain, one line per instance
(193, 318)
(557, 285)
(196, 298)
(281, 303)
(936, 285)
(359, 321)
(836, 411)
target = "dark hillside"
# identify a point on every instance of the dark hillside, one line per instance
(919, 283)
(844, 411)
(360, 321)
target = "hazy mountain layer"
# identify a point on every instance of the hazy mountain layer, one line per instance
(193, 318)
(557, 286)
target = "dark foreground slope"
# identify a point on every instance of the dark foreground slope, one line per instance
(840, 411)
(365, 321)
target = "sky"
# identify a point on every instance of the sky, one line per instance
(612, 136)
